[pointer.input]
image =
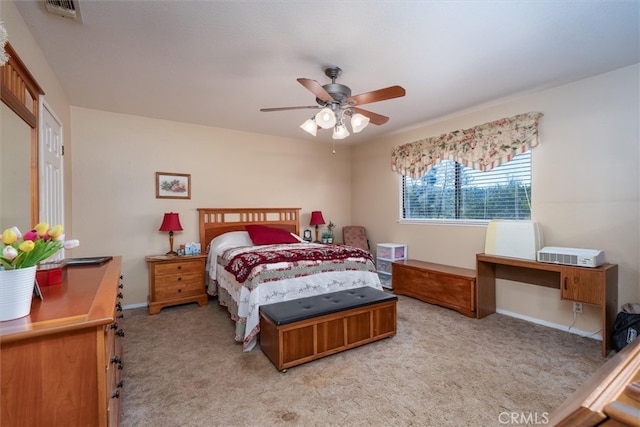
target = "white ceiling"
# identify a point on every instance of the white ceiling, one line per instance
(216, 63)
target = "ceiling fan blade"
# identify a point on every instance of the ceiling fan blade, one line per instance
(317, 89)
(377, 95)
(376, 119)
(313, 107)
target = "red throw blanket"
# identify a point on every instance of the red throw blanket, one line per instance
(242, 264)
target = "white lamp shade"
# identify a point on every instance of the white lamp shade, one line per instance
(310, 126)
(325, 118)
(359, 122)
(340, 132)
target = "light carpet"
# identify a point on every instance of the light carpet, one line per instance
(183, 368)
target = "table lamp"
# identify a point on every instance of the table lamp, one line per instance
(171, 223)
(316, 219)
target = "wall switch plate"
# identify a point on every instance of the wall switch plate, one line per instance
(577, 307)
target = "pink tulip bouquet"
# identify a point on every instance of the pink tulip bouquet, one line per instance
(35, 246)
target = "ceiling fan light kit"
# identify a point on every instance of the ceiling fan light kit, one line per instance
(336, 101)
(359, 122)
(310, 126)
(340, 132)
(326, 119)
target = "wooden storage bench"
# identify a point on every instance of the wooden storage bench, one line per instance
(451, 287)
(299, 331)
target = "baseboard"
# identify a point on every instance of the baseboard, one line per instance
(138, 305)
(585, 334)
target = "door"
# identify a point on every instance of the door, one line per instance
(583, 285)
(50, 175)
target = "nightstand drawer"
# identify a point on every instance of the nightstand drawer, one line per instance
(185, 278)
(178, 267)
(179, 286)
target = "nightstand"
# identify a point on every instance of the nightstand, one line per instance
(176, 280)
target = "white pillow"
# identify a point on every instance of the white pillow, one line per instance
(228, 240)
(300, 239)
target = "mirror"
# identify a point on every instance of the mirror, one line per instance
(19, 144)
(15, 174)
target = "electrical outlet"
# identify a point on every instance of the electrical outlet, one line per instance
(577, 307)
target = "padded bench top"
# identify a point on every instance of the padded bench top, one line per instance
(282, 313)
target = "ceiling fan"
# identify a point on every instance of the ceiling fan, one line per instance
(336, 102)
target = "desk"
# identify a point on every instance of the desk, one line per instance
(595, 286)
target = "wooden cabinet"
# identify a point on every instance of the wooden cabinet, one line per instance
(62, 364)
(176, 280)
(447, 286)
(582, 285)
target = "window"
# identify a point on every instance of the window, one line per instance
(451, 191)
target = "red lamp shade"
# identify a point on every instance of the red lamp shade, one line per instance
(316, 218)
(171, 222)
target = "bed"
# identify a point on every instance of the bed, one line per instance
(244, 275)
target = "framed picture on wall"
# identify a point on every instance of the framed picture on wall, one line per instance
(173, 185)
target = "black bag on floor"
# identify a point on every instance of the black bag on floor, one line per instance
(626, 328)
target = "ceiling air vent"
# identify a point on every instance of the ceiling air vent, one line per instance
(64, 8)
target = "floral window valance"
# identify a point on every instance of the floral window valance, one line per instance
(482, 147)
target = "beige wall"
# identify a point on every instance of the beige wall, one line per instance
(116, 157)
(585, 188)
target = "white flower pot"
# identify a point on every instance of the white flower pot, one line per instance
(16, 291)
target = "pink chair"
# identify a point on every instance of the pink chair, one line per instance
(355, 235)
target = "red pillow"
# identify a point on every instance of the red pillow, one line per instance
(263, 235)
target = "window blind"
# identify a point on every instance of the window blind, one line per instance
(453, 192)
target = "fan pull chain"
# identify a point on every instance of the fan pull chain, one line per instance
(334, 146)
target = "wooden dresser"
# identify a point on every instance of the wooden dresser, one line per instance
(611, 397)
(62, 364)
(176, 280)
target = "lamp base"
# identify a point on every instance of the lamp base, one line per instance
(317, 238)
(171, 251)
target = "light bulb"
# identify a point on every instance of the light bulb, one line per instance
(325, 118)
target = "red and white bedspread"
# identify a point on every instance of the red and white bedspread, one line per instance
(249, 276)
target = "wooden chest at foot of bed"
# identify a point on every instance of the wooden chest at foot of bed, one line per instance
(299, 331)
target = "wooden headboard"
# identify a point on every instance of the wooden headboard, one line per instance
(216, 221)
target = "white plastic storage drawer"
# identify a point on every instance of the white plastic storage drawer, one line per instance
(385, 280)
(384, 266)
(391, 251)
